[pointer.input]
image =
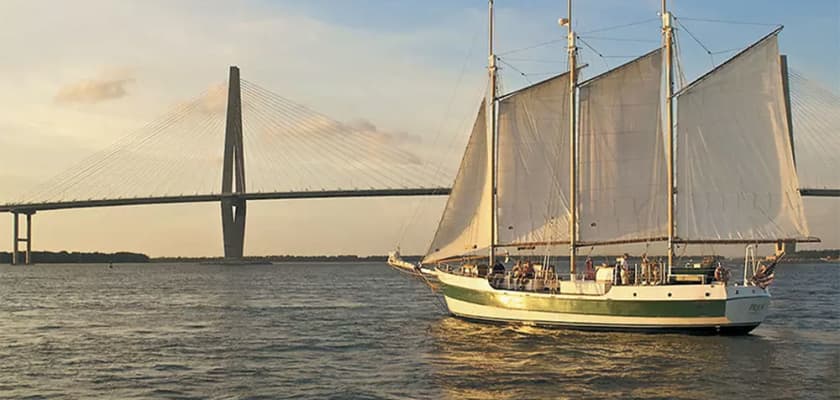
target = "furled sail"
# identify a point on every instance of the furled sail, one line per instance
(465, 226)
(533, 159)
(622, 189)
(735, 174)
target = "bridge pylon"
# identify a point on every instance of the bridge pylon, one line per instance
(233, 173)
(17, 239)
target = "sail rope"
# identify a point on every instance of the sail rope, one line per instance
(420, 204)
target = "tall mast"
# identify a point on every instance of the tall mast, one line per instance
(491, 133)
(573, 161)
(667, 33)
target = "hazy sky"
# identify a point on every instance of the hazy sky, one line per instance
(79, 75)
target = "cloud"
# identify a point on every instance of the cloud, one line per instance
(108, 86)
(212, 102)
(367, 128)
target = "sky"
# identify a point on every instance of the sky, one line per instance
(80, 75)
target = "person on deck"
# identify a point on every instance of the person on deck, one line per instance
(497, 276)
(645, 279)
(622, 269)
(589, 272)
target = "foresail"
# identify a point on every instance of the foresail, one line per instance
(533, 159)
(464, 228)
(735, 173)
(622, 189)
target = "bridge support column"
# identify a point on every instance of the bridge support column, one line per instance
(16, 239)
(29, 238)
(233, 171)
(233, 227)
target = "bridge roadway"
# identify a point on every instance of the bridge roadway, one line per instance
(315, 194)
(24, 208)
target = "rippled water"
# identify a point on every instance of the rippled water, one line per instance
(365, 331)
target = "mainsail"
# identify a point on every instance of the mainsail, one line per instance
(622, 189)
(465, 226)
(735, 174)
(533, 179)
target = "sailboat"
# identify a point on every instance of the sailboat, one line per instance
(619, 159)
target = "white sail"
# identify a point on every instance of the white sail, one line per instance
(465, 226)
(622, 189)
(533, 160)
(735, 174)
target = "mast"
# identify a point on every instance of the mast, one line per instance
(491, 134)
(667, 33)
(573, 159)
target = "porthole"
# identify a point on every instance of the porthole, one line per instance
(634, 294)
(708, 294)
(669, 294)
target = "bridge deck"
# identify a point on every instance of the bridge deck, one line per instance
(201, 198)
(316, 194)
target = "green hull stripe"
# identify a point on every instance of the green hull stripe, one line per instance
(616, 308)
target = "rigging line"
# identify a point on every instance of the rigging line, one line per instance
(340, 132)
(461, 127)
(677, 59)
(524, 75)
(614, 39)
(729, 22)
(610, 28)
(679, 22)
(598, 53)
(519, 50)
(546, 61)
(696, 39)
(451, 101)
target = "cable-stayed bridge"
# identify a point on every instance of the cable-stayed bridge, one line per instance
(200, 152)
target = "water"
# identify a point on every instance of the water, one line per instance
(365, 331)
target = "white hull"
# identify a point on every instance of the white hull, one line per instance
(713, 307)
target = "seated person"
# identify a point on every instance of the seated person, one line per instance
(497, 275)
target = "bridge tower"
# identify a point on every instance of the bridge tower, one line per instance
(233, 173)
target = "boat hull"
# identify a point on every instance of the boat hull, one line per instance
(714, 308)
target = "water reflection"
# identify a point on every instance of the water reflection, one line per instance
(482, 361)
